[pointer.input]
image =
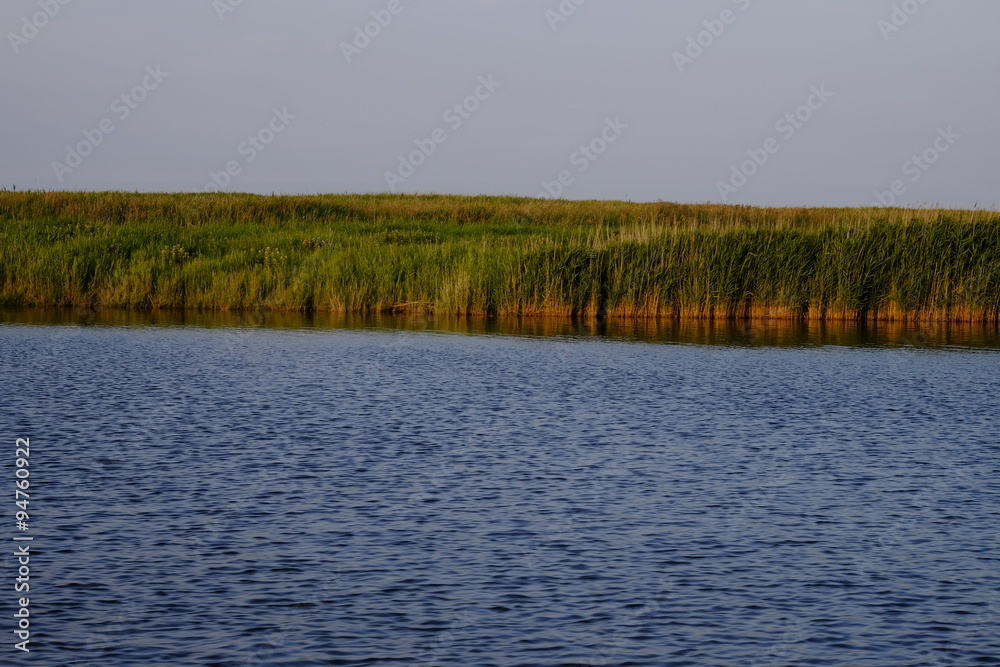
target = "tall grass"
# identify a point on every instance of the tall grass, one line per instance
(496, 256)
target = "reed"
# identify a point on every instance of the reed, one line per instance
(496, 256)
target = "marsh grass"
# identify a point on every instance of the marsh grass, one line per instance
(496, 256)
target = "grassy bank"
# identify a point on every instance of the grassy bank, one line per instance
(495, 256)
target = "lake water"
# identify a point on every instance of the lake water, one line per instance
(245, 495)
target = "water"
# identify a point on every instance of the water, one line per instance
(248, 496)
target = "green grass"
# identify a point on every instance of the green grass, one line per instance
(495, 256)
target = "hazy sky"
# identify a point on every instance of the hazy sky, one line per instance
(642, 100)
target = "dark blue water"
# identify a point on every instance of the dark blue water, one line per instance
(248, 497)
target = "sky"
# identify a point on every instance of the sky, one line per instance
(762, 102)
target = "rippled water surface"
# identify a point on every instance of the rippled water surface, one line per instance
(237, 496)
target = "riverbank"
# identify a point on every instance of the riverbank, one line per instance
(496, 256)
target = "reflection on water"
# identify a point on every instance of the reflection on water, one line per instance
(773, 333)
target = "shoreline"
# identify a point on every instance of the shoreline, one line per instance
(758, 315)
